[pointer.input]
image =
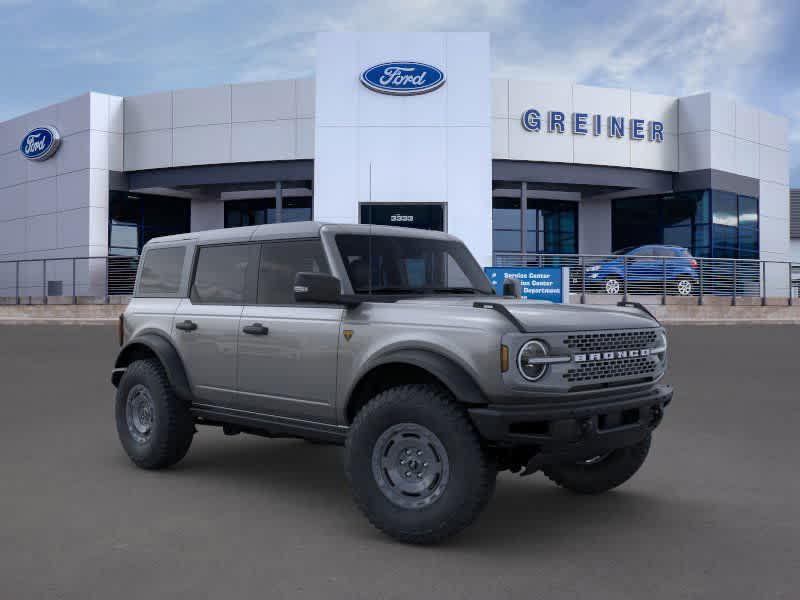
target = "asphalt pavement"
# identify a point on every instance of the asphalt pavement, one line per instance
(714, 513)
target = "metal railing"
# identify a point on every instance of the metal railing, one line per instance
(28, 280)
(659, 277)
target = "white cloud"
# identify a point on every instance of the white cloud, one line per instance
(676, 47)
(285, 52)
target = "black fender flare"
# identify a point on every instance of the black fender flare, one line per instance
(452, 375)
(167, 355)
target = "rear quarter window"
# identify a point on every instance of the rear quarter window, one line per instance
(160, 273)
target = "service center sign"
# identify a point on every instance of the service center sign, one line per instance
(536, 283)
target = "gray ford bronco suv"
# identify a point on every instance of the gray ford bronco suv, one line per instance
(392, 342)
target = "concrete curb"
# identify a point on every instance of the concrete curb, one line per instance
(56, 321)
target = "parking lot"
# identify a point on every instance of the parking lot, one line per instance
(714, 513)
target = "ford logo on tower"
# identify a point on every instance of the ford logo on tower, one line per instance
(402, 78)
(40, 143)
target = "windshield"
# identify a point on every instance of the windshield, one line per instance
(409, 265)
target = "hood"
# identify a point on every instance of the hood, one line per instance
(539, 316)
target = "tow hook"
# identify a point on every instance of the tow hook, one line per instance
(656, 414)
(228, 429)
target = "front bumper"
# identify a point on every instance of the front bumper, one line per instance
(565, 430)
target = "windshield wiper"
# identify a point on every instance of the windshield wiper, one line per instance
(396, 290)
(423, 291)
(457, 290)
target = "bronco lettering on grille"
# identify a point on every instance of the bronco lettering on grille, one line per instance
(610, 355)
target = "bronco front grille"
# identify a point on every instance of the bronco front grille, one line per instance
(610, 341)
(603, 370)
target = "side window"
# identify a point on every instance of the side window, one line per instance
(161, 271)
(220, 274)
(280, 262)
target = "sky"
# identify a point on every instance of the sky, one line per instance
(51, 50)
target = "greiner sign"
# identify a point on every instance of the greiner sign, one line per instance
(593, 124)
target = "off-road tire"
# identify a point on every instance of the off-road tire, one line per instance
(614, 470)
(172, 425)
(472, 473)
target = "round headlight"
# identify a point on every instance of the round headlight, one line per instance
(662, 346)
(528, 360)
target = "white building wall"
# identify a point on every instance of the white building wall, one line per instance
(432, 147)
(271, 120)
(59, 207)
(794, 251)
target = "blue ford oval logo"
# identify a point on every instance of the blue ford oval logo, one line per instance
(402, 78)
(40, 143)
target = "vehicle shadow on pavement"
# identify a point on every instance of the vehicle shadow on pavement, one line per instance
(529, 514)
(534, 513)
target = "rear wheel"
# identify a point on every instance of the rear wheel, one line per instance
(416, 465)
(684, 287)
(600, 473)
(154, 426)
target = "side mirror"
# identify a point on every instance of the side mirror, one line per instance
(317, 287)
(512, 287)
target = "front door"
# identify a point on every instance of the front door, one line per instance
(206, 325)
(288, 352)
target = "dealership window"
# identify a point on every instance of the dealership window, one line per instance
(545, 226)
(252, 211)
(707, 222)
(297, 198)
(281, 202)
(134, 219)
(551, 226)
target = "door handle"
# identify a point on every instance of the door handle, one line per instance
(256, 329)
(187, 325)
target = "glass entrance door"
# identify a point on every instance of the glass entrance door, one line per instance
(419, 216)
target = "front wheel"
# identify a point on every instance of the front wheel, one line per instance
(416, 465)
(600, 473)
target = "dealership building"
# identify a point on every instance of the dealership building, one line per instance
(401, 129)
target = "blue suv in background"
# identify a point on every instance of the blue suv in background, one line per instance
(646, 268)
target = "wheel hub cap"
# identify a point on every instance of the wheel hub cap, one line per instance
(410, 465)
(139, 413)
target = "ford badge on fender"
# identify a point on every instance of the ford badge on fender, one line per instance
(402, 78)
(40, 143)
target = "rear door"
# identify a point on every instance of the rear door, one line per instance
(206, 325)
(288, 351)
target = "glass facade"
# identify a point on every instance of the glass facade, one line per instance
(283, 202)
(707, 222)
(545, 225)
(134, 219)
